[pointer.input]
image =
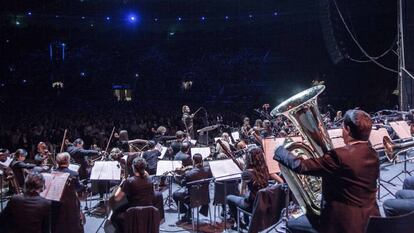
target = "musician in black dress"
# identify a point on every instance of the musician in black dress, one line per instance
(80, 155)
(66, 213)
(28, 212)
(138, 190)
(255, 177)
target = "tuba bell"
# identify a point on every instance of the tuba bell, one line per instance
(302, 110)
(393, 149)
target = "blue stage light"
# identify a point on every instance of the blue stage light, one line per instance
(29, 13)
(250, 16)
(275, 13)
(203, 18)
(17, 23)
(156, 19)
(227, 17)
(83, 17)
(108, 18)
(133, 18)
(179, 18)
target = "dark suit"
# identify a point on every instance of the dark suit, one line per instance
(349, 176)
(79, 155)
(182, 195)
(17, 167)
(66, 213)
(184, 158)
(176, 147)
(26, 214)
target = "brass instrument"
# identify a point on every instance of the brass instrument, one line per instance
(302, 110)
(393, 149)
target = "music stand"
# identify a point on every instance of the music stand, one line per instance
(269, 147)
(204, 151)
(55, 183)
(336, 138)
(224, 171)
(376, 140)
(167, 168)
(402, 130)
(105, 171)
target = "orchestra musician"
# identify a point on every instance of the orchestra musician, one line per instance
(104, 185)
(151, 156)
(349, 179)
(254, 178)
(198, 172)
(184, 155)
(41, 158)
(28, 212)
(138, 190)
(267, 129)
(66, 212)
(403, 202)
(4, 154)
(19, 167)
(175, 146)
(122, 141)
(245, 129)
(225, 139)
(187, 120)
(80, 155)
(160, 136)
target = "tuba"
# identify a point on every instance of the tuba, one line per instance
(302, 110)
(393, 149)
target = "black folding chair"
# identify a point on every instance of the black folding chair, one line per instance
(398, 224)
(267, 209)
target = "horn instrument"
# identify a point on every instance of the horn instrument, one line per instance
(302, 110)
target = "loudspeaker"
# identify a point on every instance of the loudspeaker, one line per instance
(329, 26)
(406, 7)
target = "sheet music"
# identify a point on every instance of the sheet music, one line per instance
(376, 138)
(106, 170)
(204, 151)
(55, 183)
(336, 137)
(7, 162)
(269, 147)
(163, 152)
(402, 129)
(165, 166)
(235, 135)
(74, 167)
(224, 169)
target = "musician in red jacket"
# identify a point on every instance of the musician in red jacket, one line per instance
(349, 176)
